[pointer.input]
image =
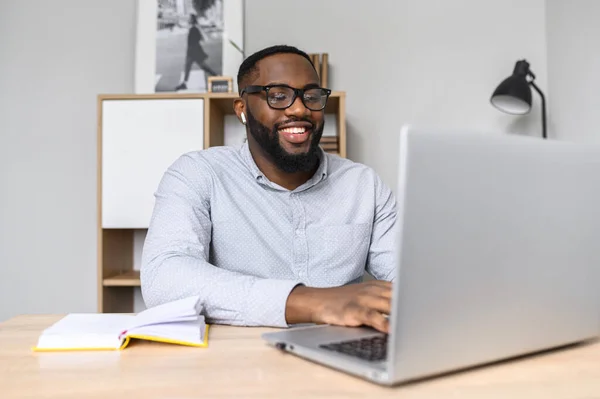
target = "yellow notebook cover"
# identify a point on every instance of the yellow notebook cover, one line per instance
(178, 322)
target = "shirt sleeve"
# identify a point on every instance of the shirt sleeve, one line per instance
(382, 258)
(176, 252)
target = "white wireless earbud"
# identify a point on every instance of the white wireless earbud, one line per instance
(243, 118)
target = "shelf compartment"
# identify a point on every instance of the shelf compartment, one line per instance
(130, 278)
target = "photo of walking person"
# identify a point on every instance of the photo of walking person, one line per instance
(195, 54)
(189, 41)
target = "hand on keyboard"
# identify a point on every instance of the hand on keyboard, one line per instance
(352, 305)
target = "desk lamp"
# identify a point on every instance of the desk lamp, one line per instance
(513, 95)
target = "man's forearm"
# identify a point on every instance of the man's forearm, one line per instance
(226, 297)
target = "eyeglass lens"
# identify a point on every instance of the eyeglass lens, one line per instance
(282, 97)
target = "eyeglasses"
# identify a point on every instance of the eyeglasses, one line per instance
(283, 96)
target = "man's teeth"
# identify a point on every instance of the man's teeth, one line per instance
(294, 130)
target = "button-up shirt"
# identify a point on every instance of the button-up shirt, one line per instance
(221, 230)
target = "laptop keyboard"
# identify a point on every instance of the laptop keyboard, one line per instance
(372, 349)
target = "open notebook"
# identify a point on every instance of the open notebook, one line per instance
(178, 322)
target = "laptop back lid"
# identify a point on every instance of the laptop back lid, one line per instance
(499, 249)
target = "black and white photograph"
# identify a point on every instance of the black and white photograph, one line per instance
(181, 43)
(189, 44)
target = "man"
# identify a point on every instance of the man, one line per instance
(195, 53)
(274, 233)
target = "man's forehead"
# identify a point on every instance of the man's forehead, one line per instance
(292, 69)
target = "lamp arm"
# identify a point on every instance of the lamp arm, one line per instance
(543, 107)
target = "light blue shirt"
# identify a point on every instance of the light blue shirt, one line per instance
(221, 230)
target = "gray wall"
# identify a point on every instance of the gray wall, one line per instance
(55, 57)
(574, 65)
(428, 62)
(432, 62)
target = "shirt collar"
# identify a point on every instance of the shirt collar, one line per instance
(319, 175)
(249, 161)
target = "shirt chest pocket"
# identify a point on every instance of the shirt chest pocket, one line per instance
(346, 233)
(343, 255)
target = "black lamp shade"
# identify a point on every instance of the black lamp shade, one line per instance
(513, 95)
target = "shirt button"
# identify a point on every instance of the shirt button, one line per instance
(302, 273)
(299, 232)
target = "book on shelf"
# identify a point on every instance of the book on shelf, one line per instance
(327, 146)
(324, 75)
(314, 57)
(328, 139)
(321, 64)
(178, 322)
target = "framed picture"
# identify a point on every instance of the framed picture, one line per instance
(220, 84)
(181, 43)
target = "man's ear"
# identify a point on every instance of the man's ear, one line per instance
(239, 107)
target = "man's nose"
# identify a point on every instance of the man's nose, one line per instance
(297, 108)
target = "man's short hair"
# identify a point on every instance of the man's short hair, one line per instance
(248, 68)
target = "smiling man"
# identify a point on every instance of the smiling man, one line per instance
(277, 232)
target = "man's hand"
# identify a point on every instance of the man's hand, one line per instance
(352, 305)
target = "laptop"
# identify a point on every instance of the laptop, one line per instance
(497, 258)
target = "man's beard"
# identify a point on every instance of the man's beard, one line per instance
(268, 140)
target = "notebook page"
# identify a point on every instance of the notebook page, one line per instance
(84, 331)
(185, 309)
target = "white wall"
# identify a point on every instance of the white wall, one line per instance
(55, 57)
(434, 62)
(574, 66)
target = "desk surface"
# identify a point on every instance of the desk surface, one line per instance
(237, 364)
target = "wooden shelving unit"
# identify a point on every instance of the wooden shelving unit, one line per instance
(116, 276)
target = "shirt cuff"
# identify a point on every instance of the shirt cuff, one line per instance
(266, 302)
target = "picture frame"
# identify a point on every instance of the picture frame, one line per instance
(163, 31)
(220, 84)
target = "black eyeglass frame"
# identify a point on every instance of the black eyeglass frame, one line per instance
(253, 89)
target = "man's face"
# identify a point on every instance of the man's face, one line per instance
(289, 137)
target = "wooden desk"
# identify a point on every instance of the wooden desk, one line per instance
(237, 364)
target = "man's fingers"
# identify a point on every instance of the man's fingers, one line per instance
(381, 283)
(386, 293)
(381, 288)
(374, 319)
(355, 305)
(381, 304)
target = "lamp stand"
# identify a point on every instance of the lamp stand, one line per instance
(543, 107)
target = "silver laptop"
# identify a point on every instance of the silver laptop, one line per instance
(498, 257)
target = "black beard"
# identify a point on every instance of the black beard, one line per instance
(268, 140)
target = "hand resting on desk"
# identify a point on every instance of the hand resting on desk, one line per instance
(353, 305)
